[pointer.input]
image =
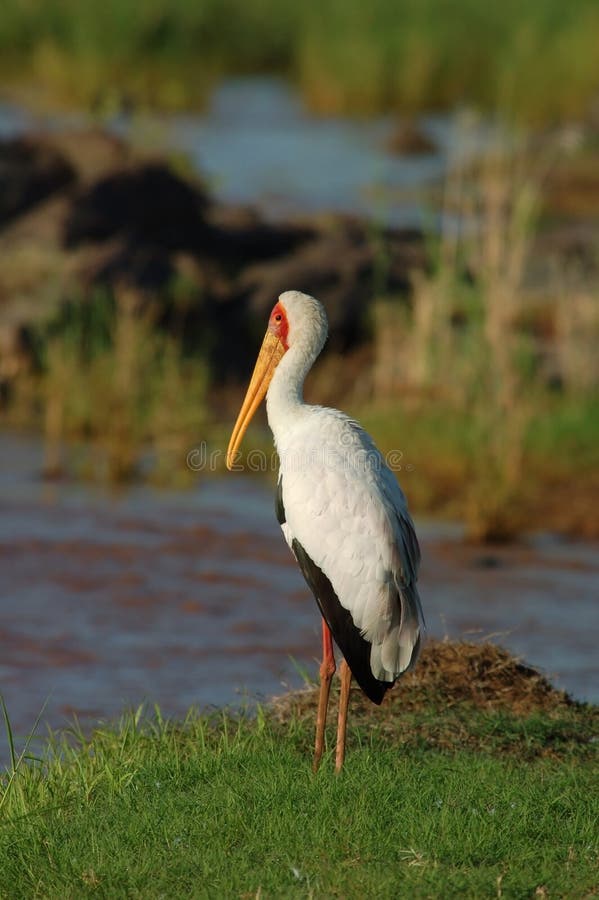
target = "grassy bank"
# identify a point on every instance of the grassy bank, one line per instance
(475, 780)
(447, 468)
(537, 61)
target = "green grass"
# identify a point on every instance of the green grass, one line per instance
(232, 810)
(441, 796)
(441, 450)
(116, 398)
(537, 60)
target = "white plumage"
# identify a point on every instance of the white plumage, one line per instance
(343, 504)
(346, 509)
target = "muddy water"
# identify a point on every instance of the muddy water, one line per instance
(193, 598)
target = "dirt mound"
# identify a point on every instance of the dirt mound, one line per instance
(146, 203)
(462, 696)
(452, 673)
(484, 675)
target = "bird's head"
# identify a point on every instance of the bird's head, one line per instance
(297, 323)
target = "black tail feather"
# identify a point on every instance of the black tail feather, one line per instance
(355, 647)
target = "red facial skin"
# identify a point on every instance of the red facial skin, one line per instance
(278, 324)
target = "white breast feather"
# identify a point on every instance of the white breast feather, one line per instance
(348, 512)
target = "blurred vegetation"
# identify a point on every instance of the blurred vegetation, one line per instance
(485, 375)
(115, 397)
(536, 60)
(488, 378)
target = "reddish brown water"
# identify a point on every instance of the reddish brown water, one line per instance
(194, 599)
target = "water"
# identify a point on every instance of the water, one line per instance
(256, 144)
(193, 598)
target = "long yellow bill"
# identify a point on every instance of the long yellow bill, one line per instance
(271, 353)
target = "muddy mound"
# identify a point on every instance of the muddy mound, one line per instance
(30, 172)
(480, 674)
(461, 696)
(146, 203)
(449, 674)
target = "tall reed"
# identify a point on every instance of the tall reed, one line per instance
(462, 343)
(125, 389)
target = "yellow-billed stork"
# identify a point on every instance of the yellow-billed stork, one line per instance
(343, 515)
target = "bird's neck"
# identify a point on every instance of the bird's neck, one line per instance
(285, 398)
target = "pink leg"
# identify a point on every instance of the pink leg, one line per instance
(327, 670)
(342, 722)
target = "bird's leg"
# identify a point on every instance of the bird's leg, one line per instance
(342, 721)
(327, 670)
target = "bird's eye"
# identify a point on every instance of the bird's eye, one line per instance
(278, 317)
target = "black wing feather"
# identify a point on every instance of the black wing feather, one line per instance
(355, 647)
(279, 508)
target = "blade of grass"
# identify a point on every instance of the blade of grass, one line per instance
(16, 763)
(9, 734)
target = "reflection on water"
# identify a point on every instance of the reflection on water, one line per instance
(193, 598)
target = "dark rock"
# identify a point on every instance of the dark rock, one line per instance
(408, 139)
(31, 170)
(238, 234)
(209, 273)
(339, 266)
(146, 204)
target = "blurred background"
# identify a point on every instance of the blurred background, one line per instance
(430, 171)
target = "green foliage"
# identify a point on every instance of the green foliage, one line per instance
(537, 60)
(441, 453)
(109, 378)
(227, 806)
(461, 377)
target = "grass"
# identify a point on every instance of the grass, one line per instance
(115, 397)
(537, 61)
(441, 454)
(480, 373)
(227, 805)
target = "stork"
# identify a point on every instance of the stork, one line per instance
(343, 515)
